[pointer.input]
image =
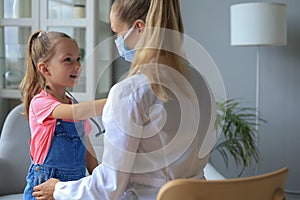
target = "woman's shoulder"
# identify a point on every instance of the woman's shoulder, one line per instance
(136, 86)
(134, 80)
(132, 83)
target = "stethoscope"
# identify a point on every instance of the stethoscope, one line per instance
(100, 130)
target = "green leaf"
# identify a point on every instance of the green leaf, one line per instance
(238, 128)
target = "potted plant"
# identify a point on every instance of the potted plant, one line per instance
(238, 128)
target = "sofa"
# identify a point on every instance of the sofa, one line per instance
(14, 155)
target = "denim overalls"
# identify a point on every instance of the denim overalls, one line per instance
(65, 159)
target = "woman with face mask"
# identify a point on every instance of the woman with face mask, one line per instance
(152, 118)
(128, 21)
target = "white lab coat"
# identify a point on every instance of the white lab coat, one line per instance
(146, 143)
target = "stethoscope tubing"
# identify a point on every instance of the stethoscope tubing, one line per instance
(100, 130)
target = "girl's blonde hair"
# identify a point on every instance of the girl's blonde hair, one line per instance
(161, 44)
(40, 48)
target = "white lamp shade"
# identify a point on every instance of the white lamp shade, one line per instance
(258, 24)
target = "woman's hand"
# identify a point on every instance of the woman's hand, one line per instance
(45, 190)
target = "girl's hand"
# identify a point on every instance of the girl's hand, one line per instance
(45, 190)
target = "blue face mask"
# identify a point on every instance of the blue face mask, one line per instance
(127, 54)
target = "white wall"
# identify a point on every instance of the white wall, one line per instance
(208, 22)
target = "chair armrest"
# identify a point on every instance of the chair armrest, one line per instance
(12, 177)
(5, 177)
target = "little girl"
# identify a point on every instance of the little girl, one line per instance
(59, 131)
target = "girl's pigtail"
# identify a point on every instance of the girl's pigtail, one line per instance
(30, 83)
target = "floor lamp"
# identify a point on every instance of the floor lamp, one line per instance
(258, 24)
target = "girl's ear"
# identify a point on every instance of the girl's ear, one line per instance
(43, 69)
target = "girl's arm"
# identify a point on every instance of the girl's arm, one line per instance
(91, 157)
(79, 111)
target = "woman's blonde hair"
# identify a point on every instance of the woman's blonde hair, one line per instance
(40, 48)
(131, 10)
(161, 44)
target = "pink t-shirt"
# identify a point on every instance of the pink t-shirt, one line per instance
(42, 126)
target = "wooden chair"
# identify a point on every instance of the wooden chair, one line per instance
(268, 186)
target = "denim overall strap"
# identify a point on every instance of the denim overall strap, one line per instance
(67, 152)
